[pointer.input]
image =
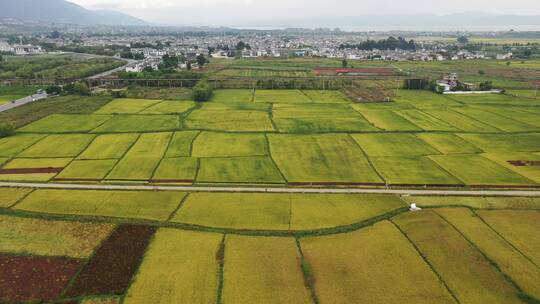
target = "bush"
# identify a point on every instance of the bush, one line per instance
(79, 88)
(6, 130)
(486, 86)
(202, 91)
(53, 90)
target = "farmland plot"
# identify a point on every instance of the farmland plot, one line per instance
(519, 114)
(13, 145)
(476, 202)
(387, 120)
(372, 265)
(169, 107)
(281, 96)
(179, 169)
(498, 121)
(425, 121)
(460, 121)
(448, 143)
(412, 171)
(424, 99)
(181, 144)
(232, 96)
(139, 123)
(524, 163)
(108, 146)
(328, 96)
(210, 144)
(10, 196)
(331, 158)
(528, 142)
(63, 123)
(467, 273)
(179, 267)
(127, 106)
(393, 145)
(34, 169)
(253, 169)
(65, 145)
(231, 117)
(87, 170)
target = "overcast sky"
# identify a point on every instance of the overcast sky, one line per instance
(238, 12)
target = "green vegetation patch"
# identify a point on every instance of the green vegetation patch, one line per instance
(123, 204)
(393, 145)
(140, 123)
(330, 158)
(11, 146)
(281, 96)
(50, 238)
(492, 119)
(9, 196)
(313, 118)
(159, 280)
(460, 121)
(232, 96)
(328, 96)
(210, 144)
(141, 160)
(66, 123)
(109, 146)
(56, 145)
(278, 278)
(449, 143)
(347, 268)
(412, 171)
(477, 170)
(425, 121)
(181, 144)
(527, 142)
(247, 117)
(87, 169)
(176, 169)
(127, 106)
(253, 169)
(169, 107)
(386, 120)
(466, 271)
(258, 211)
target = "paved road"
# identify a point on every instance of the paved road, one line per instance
(107, 73)
(508, 193)
(22, 101)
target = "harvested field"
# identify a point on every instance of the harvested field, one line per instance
(210, 144)
(179, 267)
(87, 170)
(181, 144)
(126, 204)
(519, 228)
(9, 196)
(386, 120)
(112, 266)
(108, 146)
(277, 279)
(253, 169)
(412, 171)
(169, 107)
(373, 265)
(471, 277)
(176, 169)
(139, 123)
(281, 96)
(127, 106)
(50, 238)
(25, 279)
(64, 123)
(331, 158)
(448, 143)
(525, 273)
(56, 145)
(393, 145)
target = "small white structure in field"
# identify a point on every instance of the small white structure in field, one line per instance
(414, 208)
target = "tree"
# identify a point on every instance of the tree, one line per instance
(463, 39)
(55, 34)
(486, 86)
(1, 58)
(344, 63)
(240, 45)
(201, 60)
(202, 91)
(188, 66)
(6, 130)
(53, 90)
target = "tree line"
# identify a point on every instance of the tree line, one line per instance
(391, 43)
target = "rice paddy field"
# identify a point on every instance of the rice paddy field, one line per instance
(194, 246)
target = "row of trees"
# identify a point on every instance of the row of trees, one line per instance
(391, 43)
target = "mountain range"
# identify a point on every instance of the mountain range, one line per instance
(61, 11)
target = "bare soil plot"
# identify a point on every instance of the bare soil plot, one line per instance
(139, 123)
(386, 119)
(277, 279)
(156, 206)
(527, 142)
(127, 106)
(373, 265)
(13, 145)
(448, 143)
(181, 144)
(142, 159)
(211, 144)
(108, 146)
(314, 118)
(460, 121)
(329, 158)
(232, 96)
(28, 278)
(178, 169)
(243, 117)
(327, 96)
(33, 169)
(319, 211)
(281, 96)
(519, 227)
(474, 169)
(9, 196)
(66, 123)
(425, 121)
(468, 274)
(90, 170)
(56, 145)
(178, 267)
(169, 107)
(498, 121)
(512, 262)
(389, 144)
(30, 236)
(236, 211)
(418, 170)
(253, 169)
(110, 269)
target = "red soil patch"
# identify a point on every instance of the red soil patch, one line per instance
(30, 170)
(524, 163)
(111, 268)
(166, 181)
(29, 278)
(296, 184)
(77, 179)
(355, 71)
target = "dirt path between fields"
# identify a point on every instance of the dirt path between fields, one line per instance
(508, 193)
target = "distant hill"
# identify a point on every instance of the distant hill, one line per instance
(61, 11)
